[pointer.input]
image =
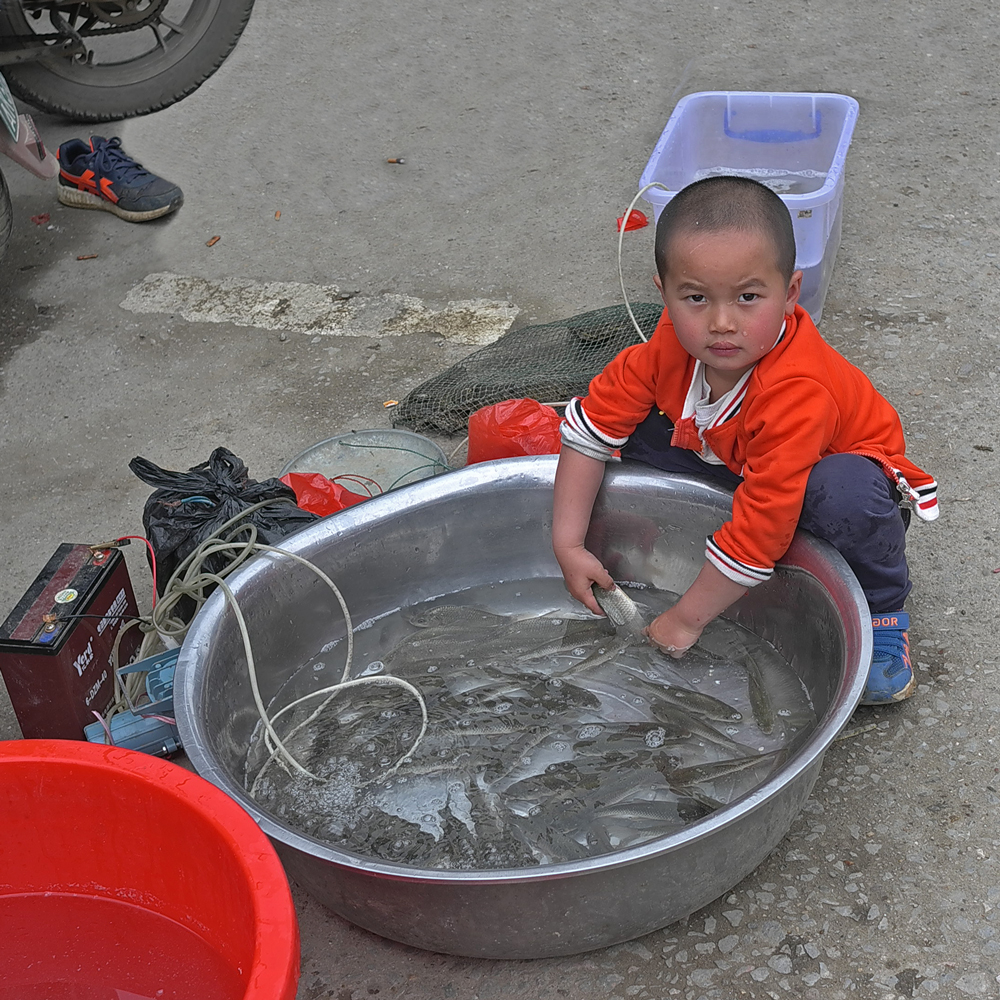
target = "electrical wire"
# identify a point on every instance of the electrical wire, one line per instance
(621, 237)
(393, 447)
(152, 557)
(238, 543)
(365, 482)
(190, 580)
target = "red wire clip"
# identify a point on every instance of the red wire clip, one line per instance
(636, 220)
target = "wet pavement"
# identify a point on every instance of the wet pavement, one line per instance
(524, 131)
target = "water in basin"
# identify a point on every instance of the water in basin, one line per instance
(549, 739)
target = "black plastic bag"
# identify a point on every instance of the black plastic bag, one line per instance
(187, 507)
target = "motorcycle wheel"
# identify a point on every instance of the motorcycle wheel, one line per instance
(6, 215)
(133, 72)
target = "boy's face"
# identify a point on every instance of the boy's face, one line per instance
(726, 299)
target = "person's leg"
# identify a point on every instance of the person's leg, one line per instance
(853, 505)
(650, 443)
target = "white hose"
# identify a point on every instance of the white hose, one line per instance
(621, 237)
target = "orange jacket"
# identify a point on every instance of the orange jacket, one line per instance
(803, 401)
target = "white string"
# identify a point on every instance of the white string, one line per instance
(621, 237)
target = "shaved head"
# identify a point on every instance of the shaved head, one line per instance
(716, 204)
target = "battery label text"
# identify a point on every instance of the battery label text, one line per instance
(114, 613)
(92, 693)
(85, 659)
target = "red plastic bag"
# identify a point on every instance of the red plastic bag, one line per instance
(512, 428)
(315, 493)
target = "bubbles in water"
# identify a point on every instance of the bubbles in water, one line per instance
(655, 738)
(318, 666)
(559, 745)
(731, 730)
(784, 713)
(432, 669)
(591, 732)
(501, 707)
(388, 713)
(580, 651)
(375, 667)
(554, 682)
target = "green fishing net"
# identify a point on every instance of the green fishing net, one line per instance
(551, 362)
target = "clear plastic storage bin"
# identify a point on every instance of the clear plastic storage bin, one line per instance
(794, 143)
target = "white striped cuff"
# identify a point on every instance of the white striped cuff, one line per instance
(739, 572)
(584, 443)
(576, 417)
(925, 503)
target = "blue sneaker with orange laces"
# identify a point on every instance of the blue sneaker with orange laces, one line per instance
(890, 677)
(100, 174)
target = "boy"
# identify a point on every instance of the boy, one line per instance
(737, 384)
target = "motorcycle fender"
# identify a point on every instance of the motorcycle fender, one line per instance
(29, 150)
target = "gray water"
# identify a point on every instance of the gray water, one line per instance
(548, 738)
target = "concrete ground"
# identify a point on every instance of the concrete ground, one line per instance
(525, 128)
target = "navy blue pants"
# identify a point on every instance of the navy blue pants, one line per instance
(849, 502)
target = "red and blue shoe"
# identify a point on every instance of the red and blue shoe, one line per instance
(100, 174)
(890, 677)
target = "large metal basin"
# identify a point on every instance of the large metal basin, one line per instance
(484, 524)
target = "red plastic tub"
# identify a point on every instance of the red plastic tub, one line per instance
(126, 877)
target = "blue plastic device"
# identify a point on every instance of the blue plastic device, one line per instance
(138, 729)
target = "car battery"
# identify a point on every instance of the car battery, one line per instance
(56, 645)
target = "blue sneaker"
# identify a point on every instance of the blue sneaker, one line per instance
(100, 174)
(890, 677)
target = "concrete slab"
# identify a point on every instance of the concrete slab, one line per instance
(524, 129)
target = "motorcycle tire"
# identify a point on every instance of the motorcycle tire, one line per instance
(6, 215)
(151, 81)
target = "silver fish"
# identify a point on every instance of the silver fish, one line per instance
(621, 611)
(453, 616)
(625, 787)
(644, 810)
(694, 701)
(760, 700)
(717, 769)
(610, 650)
(683, 721)
(499, 726)
(703, 704)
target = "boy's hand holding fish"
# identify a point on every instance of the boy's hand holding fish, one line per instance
(577, 481)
